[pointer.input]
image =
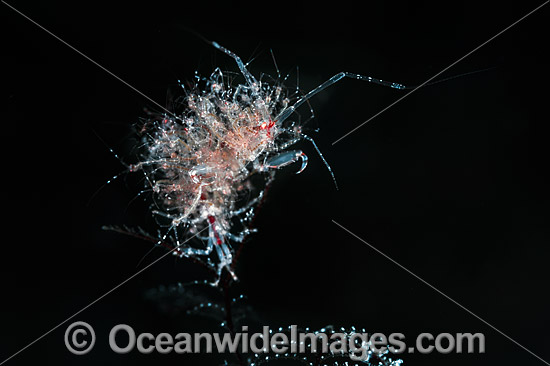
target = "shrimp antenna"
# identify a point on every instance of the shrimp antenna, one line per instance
(250, 79)
(287, 112)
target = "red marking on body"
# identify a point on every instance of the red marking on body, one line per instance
(266, 126)
(212, 220)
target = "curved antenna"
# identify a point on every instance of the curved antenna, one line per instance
(250, 79)
(322, 158)
(287, 112)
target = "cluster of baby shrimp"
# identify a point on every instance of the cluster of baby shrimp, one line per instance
(209, 165)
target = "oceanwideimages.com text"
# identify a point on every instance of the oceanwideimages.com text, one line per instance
(360, 346)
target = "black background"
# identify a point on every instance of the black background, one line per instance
(450, 182)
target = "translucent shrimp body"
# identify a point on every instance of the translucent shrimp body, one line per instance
(209, 166)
